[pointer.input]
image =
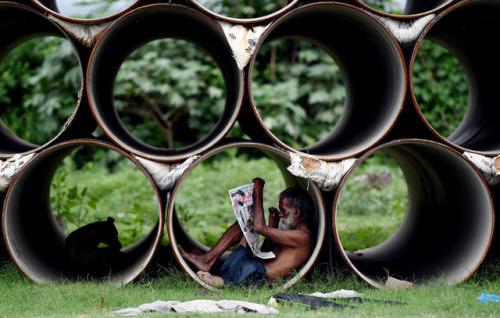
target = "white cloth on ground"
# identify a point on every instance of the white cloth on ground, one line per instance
(198, 306)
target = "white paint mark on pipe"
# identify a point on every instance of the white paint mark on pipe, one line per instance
(9, 169)
(165, 175)
(87, 34)
(488, 166)
(406, 31)
(242, 40)
(327, 175)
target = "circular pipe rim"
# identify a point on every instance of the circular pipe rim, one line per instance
(336, 138)
(261, 19)
(392, 242)
(173, 226)
(433, 10)
(233, 77)
(47, 8)
(137, 266)
(461, 138)
(12, 144)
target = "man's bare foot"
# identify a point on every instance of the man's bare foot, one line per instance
(210, 279)
(199, 261)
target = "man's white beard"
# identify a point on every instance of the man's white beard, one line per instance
(288, 223)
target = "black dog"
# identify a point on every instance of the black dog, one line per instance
(84, 254)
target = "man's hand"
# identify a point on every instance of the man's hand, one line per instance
(274, 219)
(258, 183)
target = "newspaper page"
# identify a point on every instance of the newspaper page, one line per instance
(242, 201)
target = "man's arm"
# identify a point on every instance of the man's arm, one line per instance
(274, 221)
(294, 238)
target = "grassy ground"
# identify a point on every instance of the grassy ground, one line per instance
(22, 298)
(118, 191)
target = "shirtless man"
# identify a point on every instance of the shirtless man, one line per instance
(287, 235)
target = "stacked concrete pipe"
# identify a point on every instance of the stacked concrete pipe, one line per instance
(450, 216)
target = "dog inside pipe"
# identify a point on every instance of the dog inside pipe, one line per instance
(37, 242)
(465, 30)
(448, 225)
(180, 234)
(144, 25)
(372, 66)
(21, 24)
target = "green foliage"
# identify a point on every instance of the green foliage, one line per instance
(386, 6)
(169, 93)
(372, 203)
(39, 83)
(298, 90)
(440, 86)
(92, 193)
(243, 9)
(203, 203)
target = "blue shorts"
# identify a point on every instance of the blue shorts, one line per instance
(241, 266)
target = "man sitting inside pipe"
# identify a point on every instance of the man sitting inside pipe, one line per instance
(287, 235)
(84, 254)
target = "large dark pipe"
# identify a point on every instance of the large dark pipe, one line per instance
(415, 8)
(448, 225)
(51, 7)
(178, 235)
(19, 23)
(466, 30)
(288, 5)
(137, 28)
(372, 66)
(36, 241)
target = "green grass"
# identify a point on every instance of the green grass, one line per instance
(23, 298)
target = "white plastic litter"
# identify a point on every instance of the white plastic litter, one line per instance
(9, 169)
(198, 306)
(489, 166)
(165, 175)
(327, 175)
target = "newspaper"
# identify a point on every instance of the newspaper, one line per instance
(242, 200)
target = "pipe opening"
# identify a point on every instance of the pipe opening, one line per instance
(463, 30)
(372, 204)
(167, 91)
(447, 228)
(66, 187)
(440, 87)
(304, 82)
(85, 10)
(245, 11)
(145, 25)
(41, 78)
(198, 215)
(372, 67)
(405, 7)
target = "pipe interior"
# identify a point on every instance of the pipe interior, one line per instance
(213, 7)
(137, 28)
(372, 66)
(35, 240)
(448, 225)
(70, 8)
(19, 24)
(465, 31)
(179, 236)
(414, 7)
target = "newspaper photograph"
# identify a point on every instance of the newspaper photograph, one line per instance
(242, 201)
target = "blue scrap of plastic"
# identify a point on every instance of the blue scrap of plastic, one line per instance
(488, 298)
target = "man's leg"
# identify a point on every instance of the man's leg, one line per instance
(204, 262)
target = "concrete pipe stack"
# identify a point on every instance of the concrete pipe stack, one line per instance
(448, 228)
